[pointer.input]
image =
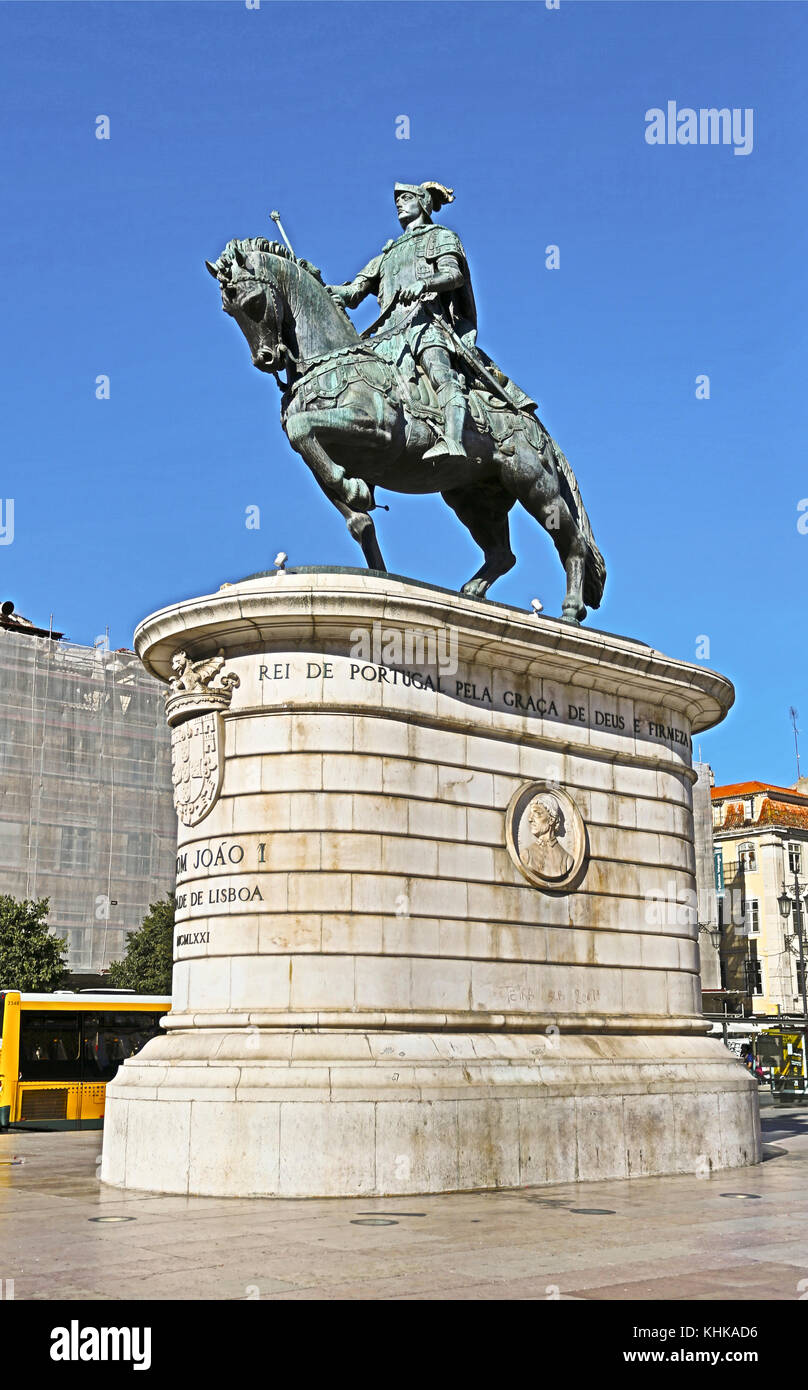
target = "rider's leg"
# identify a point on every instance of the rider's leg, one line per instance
(448, 384)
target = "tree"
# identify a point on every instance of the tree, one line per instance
(147, 965)
(31, 958)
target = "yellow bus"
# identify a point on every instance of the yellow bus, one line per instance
(783, 1052)
(58, 1051)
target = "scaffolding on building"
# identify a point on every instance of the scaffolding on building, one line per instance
(86, 811)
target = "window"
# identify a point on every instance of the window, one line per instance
(49, 1047)
(754, 976)
(795, 859)
(751, 917)
(799, 978)
(81, 1047)
(79, 943)
(78, 745)
(11, 843)
(75, 847)
(110, 1038)
(138, 853)
(747, 857)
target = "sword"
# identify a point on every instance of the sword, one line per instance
(276, 218)
(462, 351)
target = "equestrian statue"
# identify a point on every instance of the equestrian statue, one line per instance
(412, 404)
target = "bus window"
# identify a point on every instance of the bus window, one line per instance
(110, 1038)
(49, 1047)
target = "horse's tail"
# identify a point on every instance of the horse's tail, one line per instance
(594, 565)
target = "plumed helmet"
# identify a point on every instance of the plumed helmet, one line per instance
(431, 196)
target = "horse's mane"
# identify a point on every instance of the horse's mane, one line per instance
(272, 248)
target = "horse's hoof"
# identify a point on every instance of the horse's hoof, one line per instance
(357, 495)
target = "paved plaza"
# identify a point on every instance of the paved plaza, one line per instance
(649, 1238)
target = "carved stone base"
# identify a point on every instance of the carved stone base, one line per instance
(333, 1114)
(435, 923)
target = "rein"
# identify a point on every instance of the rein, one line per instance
(305, 366)
(361, 343)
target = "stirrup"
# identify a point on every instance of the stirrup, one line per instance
(445, 448)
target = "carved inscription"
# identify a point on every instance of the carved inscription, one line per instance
(488, 693)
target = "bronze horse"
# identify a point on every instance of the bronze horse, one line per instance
(359, 426)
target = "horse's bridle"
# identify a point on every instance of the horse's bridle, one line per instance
(274, 300)
(304, 366)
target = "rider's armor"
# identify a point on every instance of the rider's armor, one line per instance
(418, 255)
(408, 331)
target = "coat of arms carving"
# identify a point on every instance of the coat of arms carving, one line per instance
(193, 709)
(197, 765)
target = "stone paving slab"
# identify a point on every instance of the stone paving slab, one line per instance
(654, 1239)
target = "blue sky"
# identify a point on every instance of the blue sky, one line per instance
(676, 261)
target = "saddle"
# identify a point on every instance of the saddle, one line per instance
(325, 382)
(490, 414)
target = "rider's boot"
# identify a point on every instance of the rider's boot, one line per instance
(453, 404)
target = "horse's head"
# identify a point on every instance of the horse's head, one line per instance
(253, 295)
(280, 303)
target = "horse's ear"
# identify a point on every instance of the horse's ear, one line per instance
(214, 272)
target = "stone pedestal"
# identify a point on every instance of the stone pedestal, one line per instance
(436, 921)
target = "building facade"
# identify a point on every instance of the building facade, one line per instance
(760, 838)
(86, 810)
(707, 898)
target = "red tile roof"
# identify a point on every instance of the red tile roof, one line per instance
(772, 812)
(749, 789)
(784, 813)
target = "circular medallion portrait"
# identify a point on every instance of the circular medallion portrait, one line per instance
(545, 834)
